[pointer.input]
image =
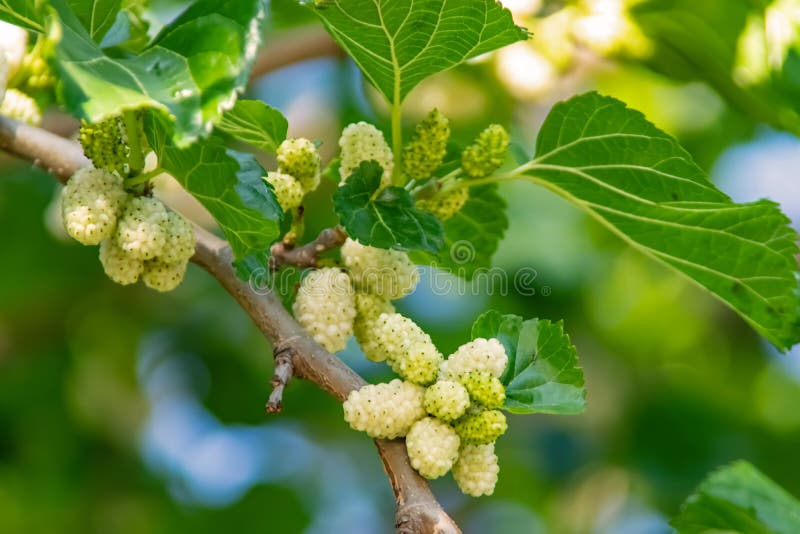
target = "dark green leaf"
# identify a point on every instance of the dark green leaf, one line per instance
(256, 123)
(472, 235)
(388, 221)
(639, 182)
(739, 498)
(29, 14)
(229, 184)
(192, 71)
(97, 16)
(399, 43)
(542, 374)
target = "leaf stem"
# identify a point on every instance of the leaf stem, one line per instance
(397, 138)
(143, 178)
(136, 158)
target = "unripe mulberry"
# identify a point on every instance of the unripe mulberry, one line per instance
(364, 142)
(287, 190)
(118, 265)
(446, 205)
(385, 410)
(487, 153)
(325, 307)
(142, 228)
(432, 447)
(388, 273)
(482, 427)
(478, 355)
(179, 246)
(21, 107)
(104, 142)
(476, 470)
(39, 75)
(299, 158)
(407, 348)
(484, 388)
(163, 276)
(91, 203)
(368, 308)
(428, 146)
(446, 400)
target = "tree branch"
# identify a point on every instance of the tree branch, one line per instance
(417, 508)
(288, 47)
(307, 255)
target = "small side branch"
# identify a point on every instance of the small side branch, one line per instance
(280, 378)
(307, 255)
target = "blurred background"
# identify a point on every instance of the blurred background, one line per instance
(126, 411)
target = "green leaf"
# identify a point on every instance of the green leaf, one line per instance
(229, 184)
(472, 235)
(28, 14)
(97, 16)
(739, 498)
(399, 43)
(640, 183)
(256, 123)
(542, 375)
(389, 220)
(192, 71)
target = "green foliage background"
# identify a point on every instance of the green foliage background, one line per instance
(677, 383)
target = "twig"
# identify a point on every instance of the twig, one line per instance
(280, 378)
(417, 508)
(291, 46)
(308, 254)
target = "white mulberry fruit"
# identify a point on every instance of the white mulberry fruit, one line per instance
(364, 142)
(179, 245)
(118, 265)
(476, 470)
(487, 153)
(478, 355)
(21, 107)
(482, 427)
(13, 46)
(446, 205)
(91, 203)
(163, 276)
(368, 308)
(287, 190)
(484, 388)
(142, 228)
(428, 146)
(385, 410)
(406, 347)
(388, 273)
(325, 307)
(299, 158)
(432, 447)
(446, 400)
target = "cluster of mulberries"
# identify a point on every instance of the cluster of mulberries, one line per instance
(25, 74)
(138, 236)
(380, 276)
(452, 423)
(480, 159)
(362, 141)
(298, 172)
